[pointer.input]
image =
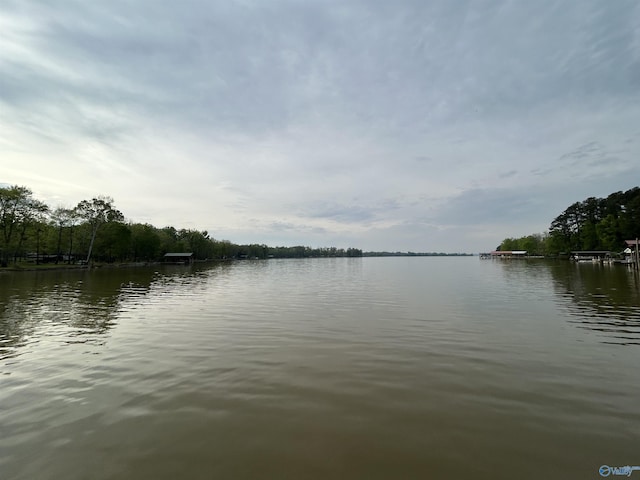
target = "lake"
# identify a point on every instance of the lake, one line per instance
(376, 368)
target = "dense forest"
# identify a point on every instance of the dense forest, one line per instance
(95, 230)
(593, 224)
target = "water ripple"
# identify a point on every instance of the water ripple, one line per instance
(318, 368)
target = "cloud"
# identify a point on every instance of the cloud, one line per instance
(365, 122)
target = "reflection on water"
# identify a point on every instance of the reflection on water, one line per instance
(78, 306)
(74, 306)
(320, 368)
(603, 298)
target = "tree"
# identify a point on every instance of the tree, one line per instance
(170, 241)
(63, 218)
(509, 244)
(608, 233)
(114, 242)
(197, 242)
(97, 212)
(145, 242)
(630, 217)
(18, 211)
(595, 223)
(532, 244)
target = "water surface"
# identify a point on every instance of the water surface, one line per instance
(321, 368)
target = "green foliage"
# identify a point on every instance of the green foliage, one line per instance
(593, 224)
(97, 212)
(533, 244)
(599, 223)
(20, 216)
(96, 229)
(145, 242)
(62, 219)
(114, 242)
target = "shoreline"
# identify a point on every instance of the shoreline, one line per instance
(56, 268)
(98, 266)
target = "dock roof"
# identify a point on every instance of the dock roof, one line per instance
(591, 252)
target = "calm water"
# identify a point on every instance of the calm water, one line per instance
(329, 368)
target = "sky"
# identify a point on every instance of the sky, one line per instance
(427, 126)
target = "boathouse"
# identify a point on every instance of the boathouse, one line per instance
(178, 257)
(508, 254)
(590, 255)
(632, 253)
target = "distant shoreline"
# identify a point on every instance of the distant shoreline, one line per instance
(413, 254)
(49, 267)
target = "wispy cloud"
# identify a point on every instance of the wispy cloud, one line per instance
(389, 125)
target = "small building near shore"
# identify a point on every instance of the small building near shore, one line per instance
(509, 254)
(632, 251)
(590, 255)
(178, 257)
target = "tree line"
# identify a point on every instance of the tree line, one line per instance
(95, 230)
(414, 254)
(592, 224)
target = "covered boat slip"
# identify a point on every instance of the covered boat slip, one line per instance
(504, 254)
(631, 253)
(181, 258)
(629, 256)
(591, 255)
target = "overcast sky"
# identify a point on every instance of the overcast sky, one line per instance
(396, 125)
